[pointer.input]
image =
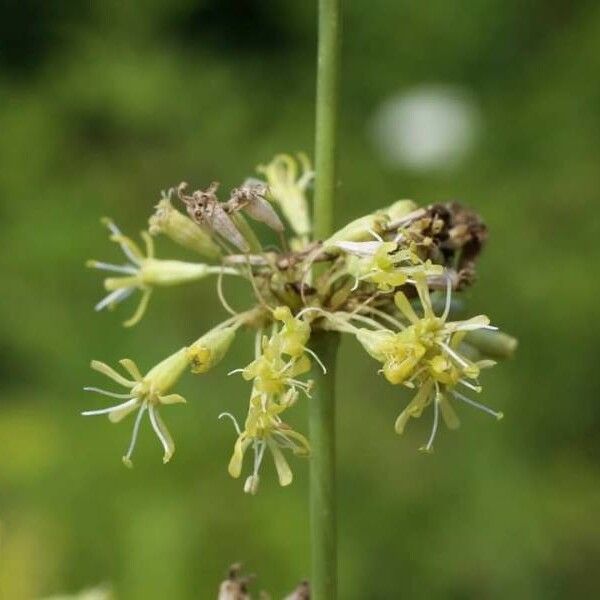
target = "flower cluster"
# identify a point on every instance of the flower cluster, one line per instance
(280, 360)
(389, 279)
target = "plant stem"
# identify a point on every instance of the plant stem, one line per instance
(321, 417)
(326, 121)
(322, 405)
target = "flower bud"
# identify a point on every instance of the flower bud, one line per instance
(172, 272)
(165, 374)
(399, 209)
(289, 190)
(376, 343)
(210, 349)
(492, 344)
(359, 230)
(182, 230)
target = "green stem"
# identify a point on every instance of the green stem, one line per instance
(322, 406)
(326, 121)
(321, 417)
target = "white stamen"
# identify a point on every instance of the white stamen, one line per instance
(106, 392)
(236, 371)
(475, 388)
(114, 298)
(258, 455)
(128, 253)
(314, 355)
(134, 435)
(498, 415)
(457, 357)
(221, 296)
(102, 266)
(436, 418)
(105, 411)
(233, 419)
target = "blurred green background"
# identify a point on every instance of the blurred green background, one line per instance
(104, 104)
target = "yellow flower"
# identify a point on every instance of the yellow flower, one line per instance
(294, 334)
(274, 374)
(264, 429)
(282, 358)
(145, 393)
(426, 354)
(143, 272)
(384, 263)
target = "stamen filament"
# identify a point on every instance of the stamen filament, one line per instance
(106, 392)
(134, 435)
(114, 298)
(436, 418)
(102, 266)
(233, 419)
(497, 414)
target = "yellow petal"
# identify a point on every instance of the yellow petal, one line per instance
(110, 372)
(415, 406)
(405, 307)
(172, 399)
(131, 368)
(162, 433)
(284, 473)
(237, 458)
(450, 417)
(141, 309)
(115, 416)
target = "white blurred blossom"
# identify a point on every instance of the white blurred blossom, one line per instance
(426, 128)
